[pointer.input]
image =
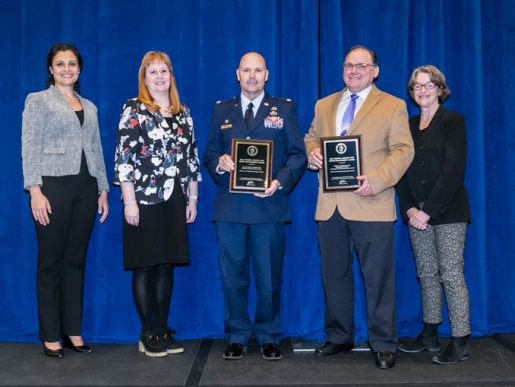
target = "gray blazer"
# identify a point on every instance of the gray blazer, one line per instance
(53, 140)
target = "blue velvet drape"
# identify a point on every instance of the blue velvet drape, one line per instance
(304, 43)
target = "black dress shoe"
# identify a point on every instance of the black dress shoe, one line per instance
(385, 360)
(53, 352)
(67, 343)
(452, 354)
(329, 348)
(271, 351)
(234, 351)
(432, 344)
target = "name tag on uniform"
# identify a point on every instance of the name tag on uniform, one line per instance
(226, 126)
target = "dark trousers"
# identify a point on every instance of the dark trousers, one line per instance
(236, 244)
(373, 242)
(62, 249)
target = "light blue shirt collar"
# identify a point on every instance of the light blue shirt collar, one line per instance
(257, 102)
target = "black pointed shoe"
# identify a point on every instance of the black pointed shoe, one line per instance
(67, 343)
(385, 360)
(271, 351)
(234, 351)
(452, 354)
(57, 353)
(432, 344)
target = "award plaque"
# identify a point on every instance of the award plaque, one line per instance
(342, 162)
(252, 166)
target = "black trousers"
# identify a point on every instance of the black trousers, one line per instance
(373, 243)
(62, 250)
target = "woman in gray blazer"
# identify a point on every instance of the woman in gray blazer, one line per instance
(64, 171)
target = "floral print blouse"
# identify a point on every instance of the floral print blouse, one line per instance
(150, 153)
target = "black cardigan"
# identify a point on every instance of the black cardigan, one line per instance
(438, 170)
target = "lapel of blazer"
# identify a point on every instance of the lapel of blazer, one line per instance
(263, 111)
(434, 123)
(85, 110)
(373, 99)
(330, 128)
(67, 110)
(236, 116)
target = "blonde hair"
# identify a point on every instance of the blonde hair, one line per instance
(436, 77)
(144, 95)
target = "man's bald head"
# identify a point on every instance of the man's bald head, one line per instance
(252, 75)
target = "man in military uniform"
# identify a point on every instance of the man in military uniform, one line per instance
(253, 225)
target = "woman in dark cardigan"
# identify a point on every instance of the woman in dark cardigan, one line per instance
(434, 202)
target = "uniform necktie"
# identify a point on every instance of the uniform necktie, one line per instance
(348, 116)
(249, 115)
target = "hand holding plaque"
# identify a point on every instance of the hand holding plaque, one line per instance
(252, 166)
(342, 162)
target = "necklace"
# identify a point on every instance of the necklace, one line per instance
(427, 119)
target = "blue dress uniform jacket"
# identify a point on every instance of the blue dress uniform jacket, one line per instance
(247, 225)
(288, 164)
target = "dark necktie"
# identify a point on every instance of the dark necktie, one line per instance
(249, 115)
(348, 116)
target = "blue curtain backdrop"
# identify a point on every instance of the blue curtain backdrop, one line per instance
(304, 43)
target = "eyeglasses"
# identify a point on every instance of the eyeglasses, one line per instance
(428, 86)
(359, 66)
(154, 73)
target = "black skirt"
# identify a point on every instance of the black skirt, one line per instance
(161, 236)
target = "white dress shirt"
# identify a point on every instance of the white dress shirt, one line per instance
(344, 102)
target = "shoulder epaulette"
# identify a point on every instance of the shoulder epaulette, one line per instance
(225, 100)
(282, 99)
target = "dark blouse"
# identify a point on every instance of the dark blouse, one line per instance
(419, 164)
(83, 161)
(80, 116)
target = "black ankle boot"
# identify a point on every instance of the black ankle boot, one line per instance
(150, 344)
(453, 353)
(421, 343)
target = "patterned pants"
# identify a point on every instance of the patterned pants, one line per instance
(438, 252)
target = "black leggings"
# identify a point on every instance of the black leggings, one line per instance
(152, 290)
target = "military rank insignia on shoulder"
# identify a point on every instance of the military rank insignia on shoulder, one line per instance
(283, 99)
(225, 100)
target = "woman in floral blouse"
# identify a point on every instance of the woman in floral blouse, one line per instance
(157, 168)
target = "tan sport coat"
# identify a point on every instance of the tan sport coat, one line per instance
(382, 122)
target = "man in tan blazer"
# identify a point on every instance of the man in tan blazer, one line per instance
(362, 219)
